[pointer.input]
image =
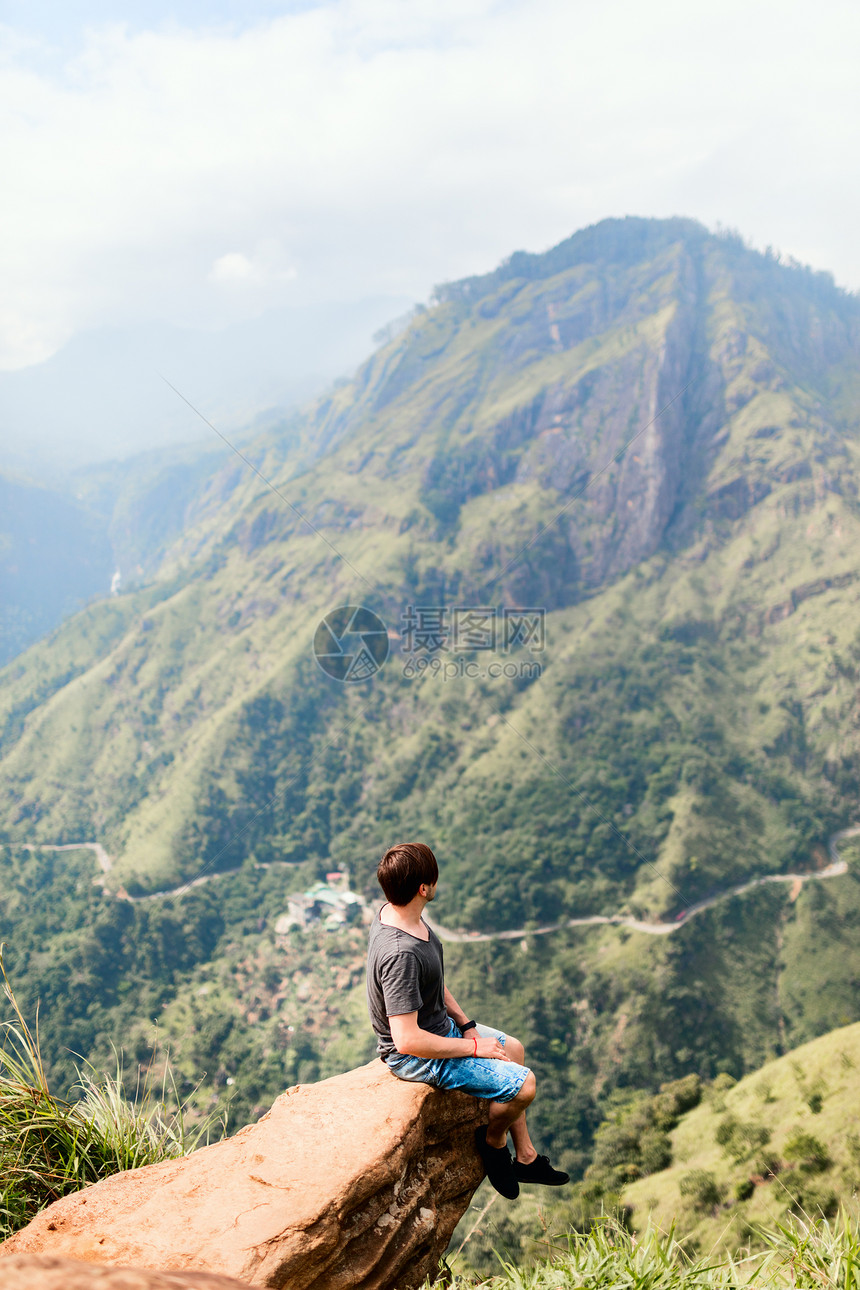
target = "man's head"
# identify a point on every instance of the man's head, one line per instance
(404, 868)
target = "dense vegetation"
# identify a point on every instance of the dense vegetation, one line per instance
(650, 433)
(717, 1162)
(599, 1009)
(782, 1141)
(226, 997)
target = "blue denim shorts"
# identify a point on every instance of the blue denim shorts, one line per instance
(481, 1076)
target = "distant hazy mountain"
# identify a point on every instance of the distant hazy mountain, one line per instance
(102, 395)
(101, 400)
(55, 557)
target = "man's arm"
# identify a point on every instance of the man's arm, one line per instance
(455, 1012)
(410, 1039)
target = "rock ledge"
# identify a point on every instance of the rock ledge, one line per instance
(355, 1183)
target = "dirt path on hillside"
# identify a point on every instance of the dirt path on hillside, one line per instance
(105, 863)
(205, 877)
(836, 868)
(102, 858)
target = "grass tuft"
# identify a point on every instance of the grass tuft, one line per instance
(799, 1255)
(50, 1146)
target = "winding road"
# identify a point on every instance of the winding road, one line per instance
(102, 858)
(835, 869)
(105, 863)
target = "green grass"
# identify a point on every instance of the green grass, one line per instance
(798, 1255)
(50, 1146)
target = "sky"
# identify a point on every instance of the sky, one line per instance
(194, 165)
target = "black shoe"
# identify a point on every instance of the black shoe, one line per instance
(498, 1164)
(540, 1171)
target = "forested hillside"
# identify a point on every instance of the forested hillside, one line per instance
(650, 434)
(782, 1141)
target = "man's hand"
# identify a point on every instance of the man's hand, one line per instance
(491, 1048)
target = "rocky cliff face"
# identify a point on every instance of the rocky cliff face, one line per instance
(353, 1184)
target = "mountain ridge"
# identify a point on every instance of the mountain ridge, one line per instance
(433, 533)
(690, 723)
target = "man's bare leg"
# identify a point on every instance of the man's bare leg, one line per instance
(523, 1145)
(512, 1115)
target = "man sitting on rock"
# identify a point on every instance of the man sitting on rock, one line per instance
(424, 1035)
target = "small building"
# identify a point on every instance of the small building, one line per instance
(335, 907)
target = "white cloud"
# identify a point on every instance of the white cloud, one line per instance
(233, 267)
(376, 146)
(265, 267)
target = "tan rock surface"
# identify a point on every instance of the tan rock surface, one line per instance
(53, 1272)
(355, 1183)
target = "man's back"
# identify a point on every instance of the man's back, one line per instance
(404, 974)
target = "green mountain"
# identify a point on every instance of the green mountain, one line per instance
(779, 1142)
(649, 435)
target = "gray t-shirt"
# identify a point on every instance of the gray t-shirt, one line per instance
(404, 974)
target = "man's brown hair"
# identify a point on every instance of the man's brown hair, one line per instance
(403, 868)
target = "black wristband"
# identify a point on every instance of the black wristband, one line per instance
(470, 1025)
